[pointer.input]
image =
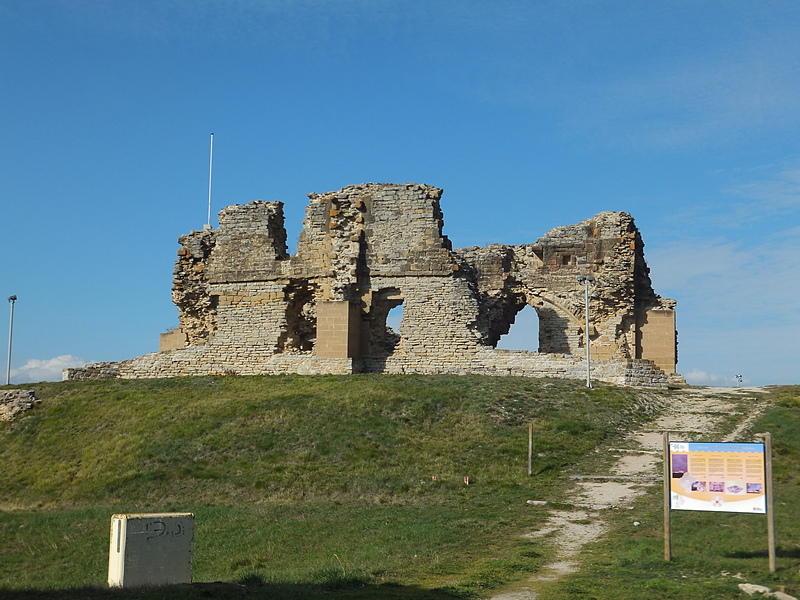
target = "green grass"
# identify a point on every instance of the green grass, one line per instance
(301, 486)
(712, 553)
(288, 439)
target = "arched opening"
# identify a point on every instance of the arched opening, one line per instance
(524, 332)
(382, 322)
(393, 320)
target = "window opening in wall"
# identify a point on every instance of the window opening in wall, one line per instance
(301, 319)
(524, 332)
(383, 320)
(393, 319)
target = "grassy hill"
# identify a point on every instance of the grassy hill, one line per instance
(351, 487)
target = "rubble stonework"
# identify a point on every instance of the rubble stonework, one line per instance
(249, 307)
(14, 402)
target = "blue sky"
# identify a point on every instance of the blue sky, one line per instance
(530, 115)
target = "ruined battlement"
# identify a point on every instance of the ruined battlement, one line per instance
(247, 306)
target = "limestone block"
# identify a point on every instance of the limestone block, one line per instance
(172, 340)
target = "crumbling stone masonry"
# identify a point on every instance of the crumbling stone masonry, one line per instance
(247, 306)
(14, 402)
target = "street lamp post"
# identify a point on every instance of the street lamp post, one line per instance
(11, 301)
(586, 281)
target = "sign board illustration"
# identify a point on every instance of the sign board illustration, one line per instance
(720, 477)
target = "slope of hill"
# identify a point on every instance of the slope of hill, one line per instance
(303, 486)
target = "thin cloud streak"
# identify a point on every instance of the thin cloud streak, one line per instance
(775, 192)
(712, 275)
(690, 104)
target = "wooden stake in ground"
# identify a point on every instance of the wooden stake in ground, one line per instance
(530, 449)
(667, 538)
(770, 501)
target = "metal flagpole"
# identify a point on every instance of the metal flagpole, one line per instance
(11, 300)
(210, 167)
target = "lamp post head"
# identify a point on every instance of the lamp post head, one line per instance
(12, 299)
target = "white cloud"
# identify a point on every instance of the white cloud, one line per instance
(698, 377)
(48, 369)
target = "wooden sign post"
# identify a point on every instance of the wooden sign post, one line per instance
(530, 449)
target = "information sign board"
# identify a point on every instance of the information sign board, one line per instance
(721, 477)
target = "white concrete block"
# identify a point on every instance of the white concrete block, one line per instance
(151, 549)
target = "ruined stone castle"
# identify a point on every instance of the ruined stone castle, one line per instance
(249, 307)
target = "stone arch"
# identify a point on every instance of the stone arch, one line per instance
(523, 333)
(560, 330)
(394, 320)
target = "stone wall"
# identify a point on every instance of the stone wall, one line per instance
(247, 306)
(94, 371)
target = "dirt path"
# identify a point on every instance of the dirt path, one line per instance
(695, 414)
